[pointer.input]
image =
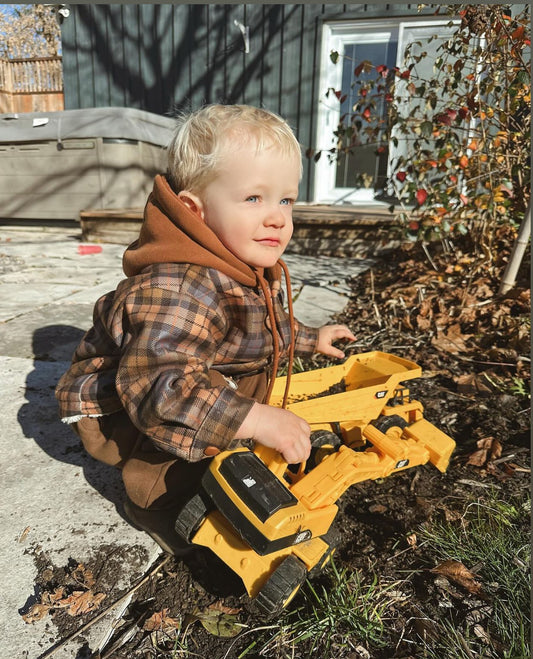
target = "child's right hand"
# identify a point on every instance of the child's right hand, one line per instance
(278, 429)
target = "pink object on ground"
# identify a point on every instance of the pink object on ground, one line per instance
(89, 249)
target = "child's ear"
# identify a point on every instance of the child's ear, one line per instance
(193, 202)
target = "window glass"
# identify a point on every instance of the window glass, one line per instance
(359, 177)
(364, 167)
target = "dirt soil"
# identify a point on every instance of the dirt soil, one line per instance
(436, 307)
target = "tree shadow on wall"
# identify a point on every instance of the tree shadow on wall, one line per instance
(188, 55)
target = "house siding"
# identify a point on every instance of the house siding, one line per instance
(172, 57)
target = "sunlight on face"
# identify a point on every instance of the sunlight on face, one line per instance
(249, 203)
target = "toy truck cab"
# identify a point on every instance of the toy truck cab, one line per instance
(270, 522)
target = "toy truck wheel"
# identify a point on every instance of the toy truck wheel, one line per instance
(384, 423)
(323, 442)
(190, 517)
(281, 587)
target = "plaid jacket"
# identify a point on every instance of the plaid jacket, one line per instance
(152, 343)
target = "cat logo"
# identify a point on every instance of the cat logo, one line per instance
(302, 537)
(381, 394)
(401, 463)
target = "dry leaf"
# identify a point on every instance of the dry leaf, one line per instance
(52, 599)
(473, 384)
(217, 623)
(411, 539)
(161, 621)
(455, 571)
(423, 323)
(82, 601)
(484, 292)
(489, 449)
(218, 606)
(37, 612)
(83, 576)
(48, 601)
(453, 340)
(482, 634)
(451, 515)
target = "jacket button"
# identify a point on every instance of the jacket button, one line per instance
(210, 451)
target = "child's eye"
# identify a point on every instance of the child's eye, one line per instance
(253, 198)
(287, 202)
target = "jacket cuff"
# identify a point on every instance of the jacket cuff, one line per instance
(221, 423)
(306, 339)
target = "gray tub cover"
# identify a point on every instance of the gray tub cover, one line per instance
(109, 122)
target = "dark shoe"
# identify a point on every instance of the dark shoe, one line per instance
(159, 524)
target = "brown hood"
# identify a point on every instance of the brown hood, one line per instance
(172, 233)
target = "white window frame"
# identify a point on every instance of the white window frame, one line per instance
(335, 35)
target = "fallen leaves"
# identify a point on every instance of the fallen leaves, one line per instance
(74, 602)
(217, 619)
(161, 621)
(451, 340)
(456, 572)
(444, 298)
(489, 449)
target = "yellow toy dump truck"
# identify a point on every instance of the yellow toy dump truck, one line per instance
(270, 522)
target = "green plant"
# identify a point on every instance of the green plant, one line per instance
(464, 130)
(519, 388)
(492, 536)
(342, 611)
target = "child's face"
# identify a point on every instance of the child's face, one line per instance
(249, 204)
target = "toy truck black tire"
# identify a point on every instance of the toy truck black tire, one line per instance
(386, 422)
(320, 439)
(190, 517)
(281, 587)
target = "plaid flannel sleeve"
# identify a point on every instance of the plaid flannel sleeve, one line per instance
(306, 339)
(163, 376)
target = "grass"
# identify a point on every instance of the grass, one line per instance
(492, 539)
(339, 612)
(345, 612)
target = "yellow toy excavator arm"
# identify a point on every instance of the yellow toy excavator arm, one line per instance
(419, 443)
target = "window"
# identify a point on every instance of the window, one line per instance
(360, 177)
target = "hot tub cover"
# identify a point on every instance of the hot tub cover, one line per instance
(108, 122)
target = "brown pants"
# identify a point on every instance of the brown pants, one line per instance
(152, 478)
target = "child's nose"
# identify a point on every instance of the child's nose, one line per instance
(275, 216)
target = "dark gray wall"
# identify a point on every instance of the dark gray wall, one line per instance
(169, 57)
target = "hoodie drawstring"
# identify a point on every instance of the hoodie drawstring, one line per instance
(292, 329)
(274, 329)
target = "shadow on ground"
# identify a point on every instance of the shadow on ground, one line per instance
(53, 346)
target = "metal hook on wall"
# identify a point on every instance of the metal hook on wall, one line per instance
(245, 31)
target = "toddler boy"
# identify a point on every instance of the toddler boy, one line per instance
(178, 362)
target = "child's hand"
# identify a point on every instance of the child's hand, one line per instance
(278, 429)
(327, 334)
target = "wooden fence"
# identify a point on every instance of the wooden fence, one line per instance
(31, 85)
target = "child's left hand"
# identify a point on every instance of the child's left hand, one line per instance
(327, 334)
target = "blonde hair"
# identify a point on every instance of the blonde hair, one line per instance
(203, 137)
